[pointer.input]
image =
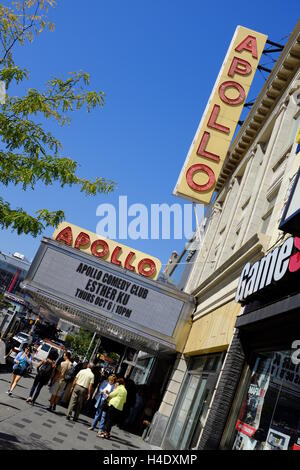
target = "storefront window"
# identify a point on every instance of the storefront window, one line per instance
(191, 408)
(270, 415)
(141, 370)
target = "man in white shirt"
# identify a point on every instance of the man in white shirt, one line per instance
(81, 390)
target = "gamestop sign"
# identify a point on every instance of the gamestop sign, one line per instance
(271, 268)
(208, 151)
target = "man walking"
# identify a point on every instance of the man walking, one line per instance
(82, 390)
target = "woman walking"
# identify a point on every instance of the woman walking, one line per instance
(45, 370)
(116, 401)
(107, 386)
(21, 362)
(59, 383)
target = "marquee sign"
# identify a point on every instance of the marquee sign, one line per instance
(107, 250)
(271, 268)
(72, 283)
(208, 151)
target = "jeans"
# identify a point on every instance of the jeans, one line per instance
(99, 416)
(36, 387)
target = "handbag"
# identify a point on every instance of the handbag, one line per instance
(105, 406)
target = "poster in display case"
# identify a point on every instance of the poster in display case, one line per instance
(277, 440)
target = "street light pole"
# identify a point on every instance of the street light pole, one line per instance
(91, 343)
(98, 343)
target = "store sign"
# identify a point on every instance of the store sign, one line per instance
(271, 268)
(209, 149)
(290, 221)
(107, 250)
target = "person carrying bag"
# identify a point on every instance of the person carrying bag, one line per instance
(45, 370)
(21, 362)
(101, 404)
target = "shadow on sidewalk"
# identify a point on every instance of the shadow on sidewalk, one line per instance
(8, 441)
(9, 406)
(11, 442)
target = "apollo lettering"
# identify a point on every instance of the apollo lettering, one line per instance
(101, 249)
(209, 150)
(238, 67)
(271, 268)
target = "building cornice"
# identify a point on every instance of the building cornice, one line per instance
(256, 246)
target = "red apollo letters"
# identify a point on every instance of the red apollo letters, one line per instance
(238, 67)
(100, 248)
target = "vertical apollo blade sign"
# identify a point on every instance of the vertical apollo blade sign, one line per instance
(208, 151)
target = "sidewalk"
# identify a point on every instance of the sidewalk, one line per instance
(23, 426)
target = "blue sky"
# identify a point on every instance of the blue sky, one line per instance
(157, 62)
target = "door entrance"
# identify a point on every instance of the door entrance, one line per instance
(190, 410)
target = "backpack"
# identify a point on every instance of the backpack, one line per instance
(69, 374)
(45, 371)
(22, 365)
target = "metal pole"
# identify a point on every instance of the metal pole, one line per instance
(95, 349)
(121, 360)
(91, 343)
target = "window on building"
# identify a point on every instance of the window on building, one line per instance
(270, 414)
(268, 214)
(235, 239)
(295, 127)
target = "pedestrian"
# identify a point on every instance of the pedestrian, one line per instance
(45, 370)
(22, 360)
(69, 378)
(116, 401)
(150, 408)
(101, 398)
(58, 363)
(59, 383)
(130, 401)
(132, 419)
(81, 390)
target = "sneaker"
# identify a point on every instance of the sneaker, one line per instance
(91, 428)
(50, 408)
(68, 417)
(29, 400)
(9, 392)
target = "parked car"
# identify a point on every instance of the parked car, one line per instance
(24, 337)
(44, 349)
(19, 340)
(18, 343)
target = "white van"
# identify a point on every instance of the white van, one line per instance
(44, 349)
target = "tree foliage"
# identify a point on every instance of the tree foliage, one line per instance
(4, 303)
(114, 356)
(79, 342)
(28, 153)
